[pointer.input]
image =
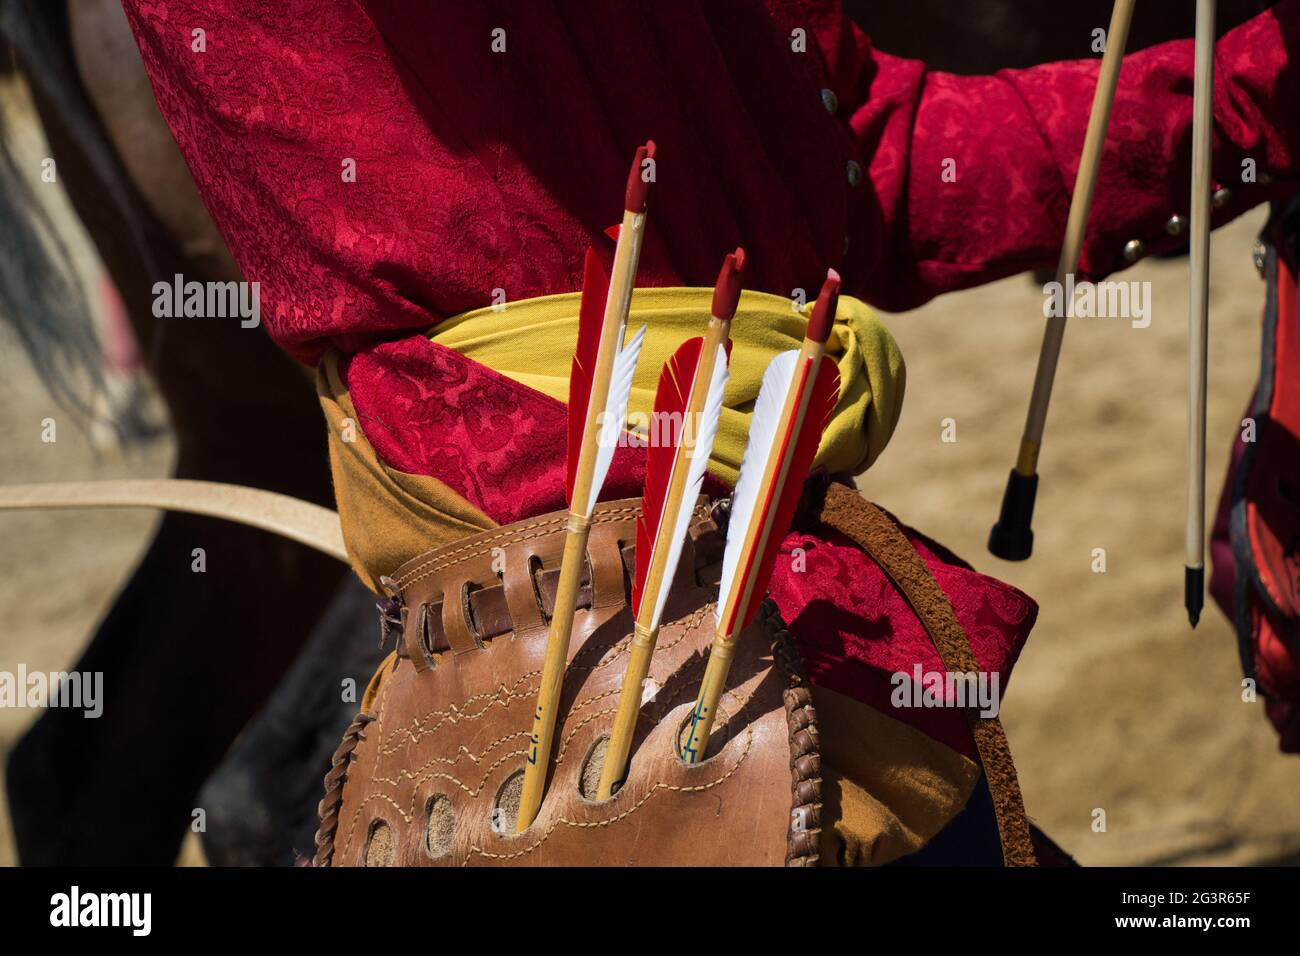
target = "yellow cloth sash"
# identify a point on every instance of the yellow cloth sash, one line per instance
(532, 342)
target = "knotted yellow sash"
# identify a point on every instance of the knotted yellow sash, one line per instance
(390, 516)
(532, 342)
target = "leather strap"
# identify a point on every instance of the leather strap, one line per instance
(504, 580)
(872, 530)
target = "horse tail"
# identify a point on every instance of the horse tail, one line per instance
(42, 297)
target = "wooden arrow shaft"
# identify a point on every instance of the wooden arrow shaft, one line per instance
(736, 604)
(617, 302)
(646, 632)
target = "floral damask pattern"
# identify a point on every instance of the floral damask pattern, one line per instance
(856, 631)
(477, 170)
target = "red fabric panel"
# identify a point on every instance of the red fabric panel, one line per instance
(477, 170)
(496, 443)
(855, 630)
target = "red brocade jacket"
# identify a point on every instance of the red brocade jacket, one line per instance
(476, 170)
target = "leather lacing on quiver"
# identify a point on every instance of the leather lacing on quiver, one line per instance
(805, 743)
(334, 780)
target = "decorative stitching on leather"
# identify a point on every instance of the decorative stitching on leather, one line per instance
(420, 776)
(453, 714)
(749, 740)
(417, 776)
(515, 536)
(690, 625)
(461, 752)
(516, 531)
(494, 697)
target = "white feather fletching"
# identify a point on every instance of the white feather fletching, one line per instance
(772, 395)
(705, 431)
(611, 421)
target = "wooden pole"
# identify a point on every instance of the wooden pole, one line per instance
(1198, 315)
(1012, 538)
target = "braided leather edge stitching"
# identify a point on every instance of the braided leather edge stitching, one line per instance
(328, 809)
(846, 511)
(805, 744)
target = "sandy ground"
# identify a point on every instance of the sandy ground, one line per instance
(1115, 704)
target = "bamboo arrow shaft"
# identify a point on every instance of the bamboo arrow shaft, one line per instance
(706, 705)
(646, 631)
(629, 705)
(736, 604)
(617, 302)
(553, 666)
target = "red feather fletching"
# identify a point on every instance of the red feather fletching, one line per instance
(670, 410)
(671, 398)
(591, 317)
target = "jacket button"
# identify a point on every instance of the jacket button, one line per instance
(830, 101)
(1176, 225)
(854, 172)
(1221, 197)
(1134, 249)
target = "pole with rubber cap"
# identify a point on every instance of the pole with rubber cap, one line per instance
(1012, 538)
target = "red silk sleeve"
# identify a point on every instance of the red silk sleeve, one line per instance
(1012, 143)
(377, 165)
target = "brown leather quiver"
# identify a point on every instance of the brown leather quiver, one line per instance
(429, 772)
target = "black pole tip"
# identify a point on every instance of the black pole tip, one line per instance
(1012, 538)
(1194, 593)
